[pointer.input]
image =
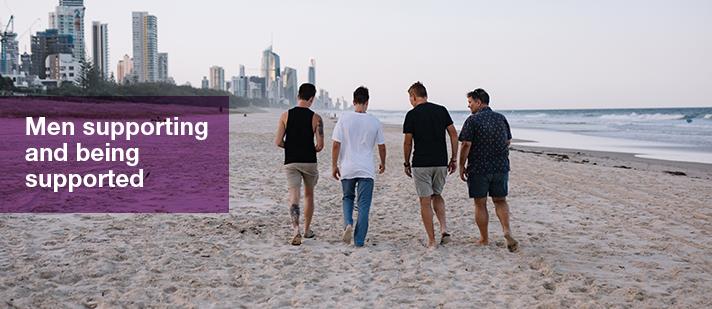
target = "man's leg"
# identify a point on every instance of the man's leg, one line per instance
(365, 195)
(502, 209)
(310, 174)
(348, 187)
(308, 207)
(482, 219)
(426, 213)
(439, 207)
(294, 209)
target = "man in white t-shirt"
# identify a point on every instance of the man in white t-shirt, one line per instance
(355, 136)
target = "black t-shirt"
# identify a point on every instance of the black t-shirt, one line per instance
(428, 123)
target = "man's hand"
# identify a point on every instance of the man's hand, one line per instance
(381, 168)
(335, 173)
(408, 171)
(452, 167)
(463, 174)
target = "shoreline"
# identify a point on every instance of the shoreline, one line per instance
(621, 160)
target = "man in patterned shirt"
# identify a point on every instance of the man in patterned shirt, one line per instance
(485, 139)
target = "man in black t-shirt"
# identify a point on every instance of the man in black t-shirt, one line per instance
(426, 125)
(296, 133)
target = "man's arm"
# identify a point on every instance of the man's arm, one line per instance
(464, 151)
(407, 149)
(452, 132)
(382, 155)
(335, 150)
(318, 131)
(281, 130)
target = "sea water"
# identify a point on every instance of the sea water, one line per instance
(676, 134)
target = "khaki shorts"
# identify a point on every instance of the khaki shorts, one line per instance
(296, 171)
(429, 180)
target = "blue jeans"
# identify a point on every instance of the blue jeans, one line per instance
(364, 186)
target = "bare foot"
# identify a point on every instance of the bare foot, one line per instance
(512, 244)
(482, 242)
(445, 238)
(297, 240)
(347, 235)
(432, 245)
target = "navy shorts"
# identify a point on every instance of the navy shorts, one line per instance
(494, 185)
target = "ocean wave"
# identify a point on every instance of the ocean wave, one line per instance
(708, 116)
(643, 117)
(537, 115)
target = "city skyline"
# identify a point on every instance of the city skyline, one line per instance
(544, 55)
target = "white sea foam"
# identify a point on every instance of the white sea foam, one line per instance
(708, 116)
(537, 115)
(642, 117)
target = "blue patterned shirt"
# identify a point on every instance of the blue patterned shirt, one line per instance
(489, 132)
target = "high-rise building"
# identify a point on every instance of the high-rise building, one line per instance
(242, 70)
(26, 63)
(256, 88)
(205, 84)
(145, 47)
(68, 18)
(9, 50)
(217, 78)
(100, 48)
(271, 74)
(312, 71)
(163, 67)
(290, 85)
(46, 43)
(124, 70)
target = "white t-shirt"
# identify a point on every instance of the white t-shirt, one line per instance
(358, 133)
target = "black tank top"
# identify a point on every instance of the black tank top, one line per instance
(299, 141)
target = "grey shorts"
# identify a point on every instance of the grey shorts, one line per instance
(429, 180)
(298, 171)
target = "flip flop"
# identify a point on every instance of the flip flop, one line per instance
(297, 240)
(309, 234)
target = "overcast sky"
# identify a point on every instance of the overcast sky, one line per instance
(526, 54)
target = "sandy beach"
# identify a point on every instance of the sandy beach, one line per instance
(595, 230)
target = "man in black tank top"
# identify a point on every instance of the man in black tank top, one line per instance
(295, 133)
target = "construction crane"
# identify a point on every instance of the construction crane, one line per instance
(6, 38)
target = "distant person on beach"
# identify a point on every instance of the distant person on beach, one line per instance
(295, 133)
(425, 126)
(485, 139)
(355, 136)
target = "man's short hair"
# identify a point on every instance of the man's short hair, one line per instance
(479, 94)
(361, 95)
(306, 92)
(418, 90)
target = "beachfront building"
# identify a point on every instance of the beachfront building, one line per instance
(26, 63)
(124, 70)
(290, 85)
(46, 43)
(163, 67)
(312, 71)
(145, 47)
(271, 73)
(205, 83)
(100, 48)
(10, 59)
(62, 68)
(68, 19)
(217, 78)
